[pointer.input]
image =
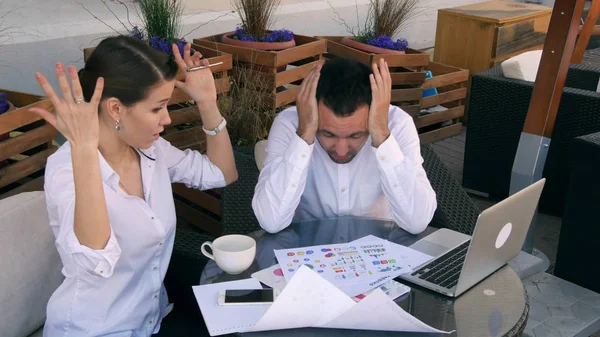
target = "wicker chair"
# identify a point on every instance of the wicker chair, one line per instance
(455, 208)
(237, 215)
(497, 112)
(580, 229)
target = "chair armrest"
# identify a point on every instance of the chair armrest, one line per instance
(455, 208)
(497, 111)
(582, 77)
(579, 76)
(237, 215)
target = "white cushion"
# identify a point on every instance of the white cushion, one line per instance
(29, 261)
(260, 153)
(523, 66)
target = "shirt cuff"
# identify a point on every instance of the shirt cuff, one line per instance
(97, 261)
(299, 152)
(388, 153)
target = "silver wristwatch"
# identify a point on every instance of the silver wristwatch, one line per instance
(215, 130)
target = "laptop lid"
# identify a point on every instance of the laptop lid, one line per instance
(499, 235)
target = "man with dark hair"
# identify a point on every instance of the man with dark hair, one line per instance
(344, 150)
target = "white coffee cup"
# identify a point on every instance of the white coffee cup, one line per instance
(232, 253)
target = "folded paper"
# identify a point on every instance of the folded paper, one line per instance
(308, 300)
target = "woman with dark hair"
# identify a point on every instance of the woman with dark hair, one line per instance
(108, 188)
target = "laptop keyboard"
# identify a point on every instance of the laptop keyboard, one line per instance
(444, 270)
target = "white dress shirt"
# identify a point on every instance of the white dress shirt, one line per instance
(118, 291)
(301, 182)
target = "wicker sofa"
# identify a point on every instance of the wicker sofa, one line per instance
(576, 259)
(498, 107)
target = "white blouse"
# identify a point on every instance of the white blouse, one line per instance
(118, 291)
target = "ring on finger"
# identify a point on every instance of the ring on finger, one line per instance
(79, 100)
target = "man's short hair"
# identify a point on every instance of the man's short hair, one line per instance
(344, 86)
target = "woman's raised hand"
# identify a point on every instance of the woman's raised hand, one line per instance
(75, 119)
(198, 84)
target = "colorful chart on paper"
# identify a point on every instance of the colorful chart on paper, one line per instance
(341, 263)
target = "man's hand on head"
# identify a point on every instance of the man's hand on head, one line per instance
(381, 89)
(307, 107)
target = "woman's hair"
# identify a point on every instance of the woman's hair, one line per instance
(130, 68)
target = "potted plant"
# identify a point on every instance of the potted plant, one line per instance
(160, 27)
(274, 60)
(257, 18)
(161, 20)
(385, 19)
(5, 106)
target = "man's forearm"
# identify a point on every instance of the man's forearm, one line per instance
(281, 185)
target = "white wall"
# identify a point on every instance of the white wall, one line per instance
(39, 33)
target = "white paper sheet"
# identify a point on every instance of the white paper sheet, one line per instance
(221, 319)
(355, 267)
(392, 289)
(407, 257)
(273, 277)
(377, 312)
(309, 300)
(342, 264)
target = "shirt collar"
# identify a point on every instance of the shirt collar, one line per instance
(149, 152)
(109, 176)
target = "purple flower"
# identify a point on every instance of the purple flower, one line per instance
(158, 43)
(384, 41)
(282, 35)
(136, 33)
(241, 35)
(164, 45)
(181, 44)
(3, 102)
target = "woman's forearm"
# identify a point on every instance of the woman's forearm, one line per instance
(91, 222)
(218, 147)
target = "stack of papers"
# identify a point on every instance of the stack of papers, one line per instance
(308, 300)
(355, 268)
(273, 277)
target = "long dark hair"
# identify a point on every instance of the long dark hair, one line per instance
(130, 68)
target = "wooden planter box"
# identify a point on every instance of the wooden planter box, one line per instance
(213, 56)
(407, 70)
(23, 155)
(281, 87)
(450, 83)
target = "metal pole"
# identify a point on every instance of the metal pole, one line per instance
(547, 91)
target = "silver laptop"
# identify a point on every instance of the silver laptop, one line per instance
(462, 261)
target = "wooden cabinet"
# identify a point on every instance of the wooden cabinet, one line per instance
(480, 36)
